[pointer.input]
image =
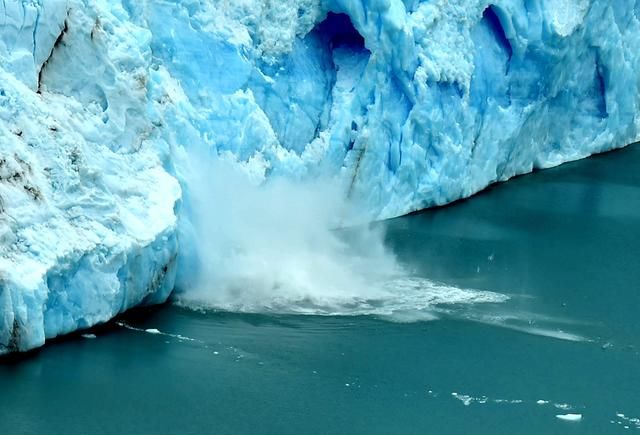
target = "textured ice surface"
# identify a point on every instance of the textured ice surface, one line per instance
(410, 103)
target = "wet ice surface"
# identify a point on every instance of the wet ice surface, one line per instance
(561, 246)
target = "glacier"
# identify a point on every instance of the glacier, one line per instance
(409, 103)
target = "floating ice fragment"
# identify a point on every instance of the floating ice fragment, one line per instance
(569, 417)
(155, 332)
(627, 422)
(464, 398)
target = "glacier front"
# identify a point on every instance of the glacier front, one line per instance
(408, 103)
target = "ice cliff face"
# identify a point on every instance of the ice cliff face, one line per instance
(412, 103)
(421, 103)
(87, 221)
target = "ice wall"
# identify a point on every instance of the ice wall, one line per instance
(413, 103)
(87, 207)
(409, 103)
(421, 103)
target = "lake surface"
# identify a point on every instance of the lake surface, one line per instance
(562, 244)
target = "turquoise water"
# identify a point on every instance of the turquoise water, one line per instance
(563, 244)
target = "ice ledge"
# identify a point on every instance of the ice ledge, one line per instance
(80, 293)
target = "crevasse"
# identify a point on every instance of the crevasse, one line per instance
(411, 103)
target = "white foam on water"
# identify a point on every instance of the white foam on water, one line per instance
(551, 333)
(530, 323)
(401, 300)
(154, 331)
(410, 316)
(467, 399)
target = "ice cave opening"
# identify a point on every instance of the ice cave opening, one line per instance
(339, 31)
(311, 87)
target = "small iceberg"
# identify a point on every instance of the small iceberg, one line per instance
(569, 417)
